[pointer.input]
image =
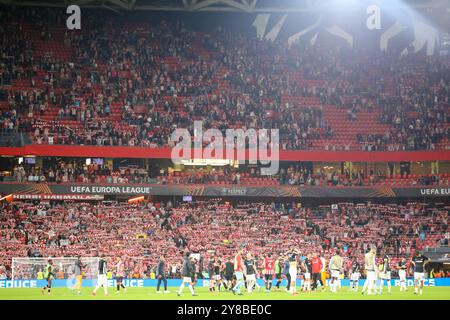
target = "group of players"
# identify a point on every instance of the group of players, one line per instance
(102, 280)
(242, 270)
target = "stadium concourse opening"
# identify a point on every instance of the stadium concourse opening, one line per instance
(351, 99)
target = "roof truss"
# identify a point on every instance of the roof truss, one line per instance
(250, 6)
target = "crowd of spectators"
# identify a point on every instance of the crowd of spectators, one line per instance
(148, 230)
(302, 177)
(121, 85)
(295, 175)
(8, 121)
(64, 172)
(80, 172)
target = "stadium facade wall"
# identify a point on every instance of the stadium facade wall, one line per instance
(141, 283)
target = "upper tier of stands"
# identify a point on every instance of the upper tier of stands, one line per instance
(129, 83)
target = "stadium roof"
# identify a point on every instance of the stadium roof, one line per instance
(255, 6)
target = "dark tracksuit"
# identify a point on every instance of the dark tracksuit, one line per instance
(286, 273)
(161, 275)
(188, 269)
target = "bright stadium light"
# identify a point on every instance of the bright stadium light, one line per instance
(7, 198)
(136, 199)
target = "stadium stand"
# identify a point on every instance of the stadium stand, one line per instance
(80, 172)
(82, 88)
(118, 82)
(152, 229)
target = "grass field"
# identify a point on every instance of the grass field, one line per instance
(429, 293)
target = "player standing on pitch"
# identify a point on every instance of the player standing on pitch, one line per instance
(49, 276)
(211, 263)
(402, 274)
(269, 270)
(120, 274)
(354, 277)
(278, 272)
(228, 273)
(370, 267)
(250, 272)
(161, 275)
(293, 269)
(335, 270)
(187, 271)
(79, 275)
(238, 272)
(286, 273)
(316, 268)
(195, 270)
(419, 262)
(102, 279)
(385, 273)
(216, 274)
(308, 270)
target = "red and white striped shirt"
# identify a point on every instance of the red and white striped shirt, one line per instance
(269, 266)
(120, 270)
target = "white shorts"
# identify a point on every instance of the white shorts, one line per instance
(402, 274)
(217, 277)
(251, 277)
(239, 275)
(102, 280)
(307, 275)
(419, 276)
(187, 279)
(355, 276)
(335, 273)
(371, 276)
(293, 273)
(385, 275)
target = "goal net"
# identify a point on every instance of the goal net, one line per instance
(64, 268)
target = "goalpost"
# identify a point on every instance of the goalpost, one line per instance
(31, 268)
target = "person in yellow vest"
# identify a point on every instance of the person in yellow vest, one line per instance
(323, 272)
(78, 275)
(40, 275)
(152, 275)
(49, 276)
(109, 275)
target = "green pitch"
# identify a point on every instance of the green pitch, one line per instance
(429, 293)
